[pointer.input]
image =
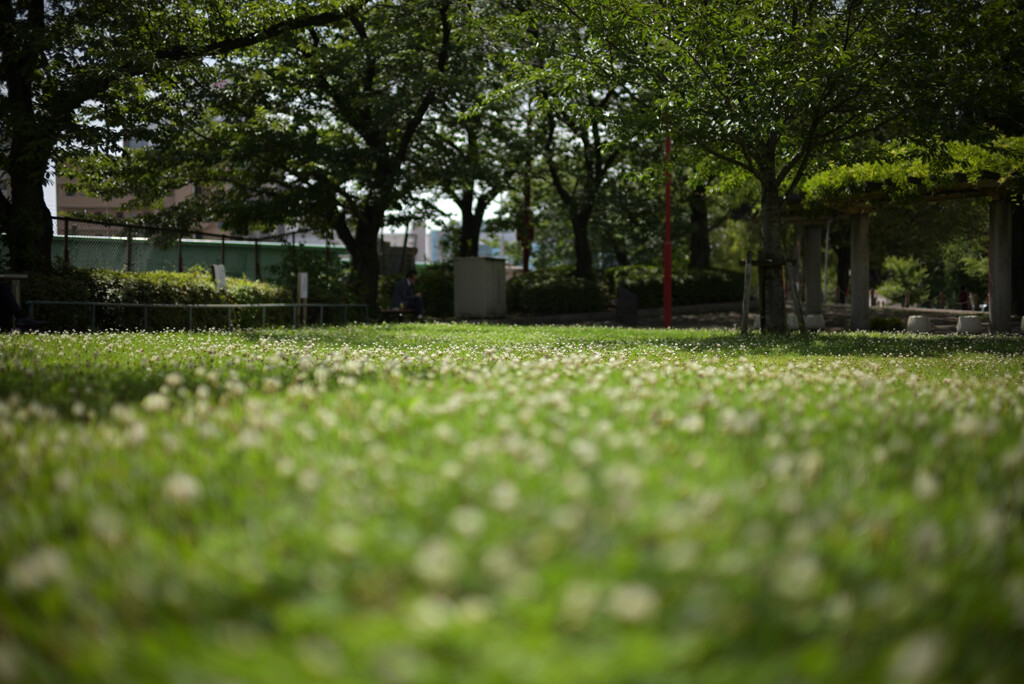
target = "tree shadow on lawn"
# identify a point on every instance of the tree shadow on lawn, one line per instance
(98, 389)
(861, 344)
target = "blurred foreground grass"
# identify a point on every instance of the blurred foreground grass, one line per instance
(455, 503)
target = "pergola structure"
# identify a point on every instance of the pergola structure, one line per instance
(859, 208)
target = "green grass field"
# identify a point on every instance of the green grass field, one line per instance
(457, 503)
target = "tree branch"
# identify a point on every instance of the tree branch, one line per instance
(179, 52)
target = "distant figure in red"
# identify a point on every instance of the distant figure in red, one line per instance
(965, 299)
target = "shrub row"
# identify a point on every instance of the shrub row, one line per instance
(554, 291)
(435, 282)
(194, 286)
(557, 291)
(709, 286)
(550, 291)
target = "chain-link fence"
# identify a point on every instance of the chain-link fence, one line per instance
(90, 243)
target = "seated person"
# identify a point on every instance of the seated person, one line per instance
(9, 310)
(403, 296)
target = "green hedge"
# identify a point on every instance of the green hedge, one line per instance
(643, 280)
(554, 291)
(194, 286)
(329, 280)
(435, 282)
(709, 286)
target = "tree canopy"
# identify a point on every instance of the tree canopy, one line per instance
(68, 68)
(776, 87)
(339, 116)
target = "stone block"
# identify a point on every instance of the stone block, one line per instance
(919, 324)
(814, 321)
(969, 325)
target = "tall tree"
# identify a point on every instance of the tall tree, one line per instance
(58, 59)
(478, 139)
(322, 128)
(579, 162)
(774, 86)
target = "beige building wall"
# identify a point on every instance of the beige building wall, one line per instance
(71, 201)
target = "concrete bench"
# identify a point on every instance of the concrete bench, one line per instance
(968, 325)
(811, 322)
(919, 324)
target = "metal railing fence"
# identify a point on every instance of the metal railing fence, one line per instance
(95, 243)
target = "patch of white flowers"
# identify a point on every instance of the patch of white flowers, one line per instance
(450, 480)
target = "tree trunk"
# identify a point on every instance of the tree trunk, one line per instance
(700, 239)
(621, 255)
(362, 249)
(1017, 268)
(581, 245)
(771, 252)
(28, 225)
(843, 261)
(469, 232)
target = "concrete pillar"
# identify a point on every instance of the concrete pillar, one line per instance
(1000, 263)
(813, 296)
(860, 311)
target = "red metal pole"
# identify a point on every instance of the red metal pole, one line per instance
(667, 250)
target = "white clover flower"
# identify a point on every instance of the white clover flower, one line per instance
(467, 521)
(79, 408)
(990, 526)
(576, 485)
(308, 480)
(839, 608)
(926, 486)
(174, 379)
(622, 476)
(38, 569)
(135, 434)
(438, 562)
(500, 563)
(679, 555)
(344, 539)
(285, 467)
(505, 496)
(155, 402)
(431, 613)
(182, 488)
(108, 526)
(797, 577)
(928, 541)
(691, 424)
(475, 609)
(445, 433)
(580, 600)
(633, 602)
(919, 658)
(451, 470)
